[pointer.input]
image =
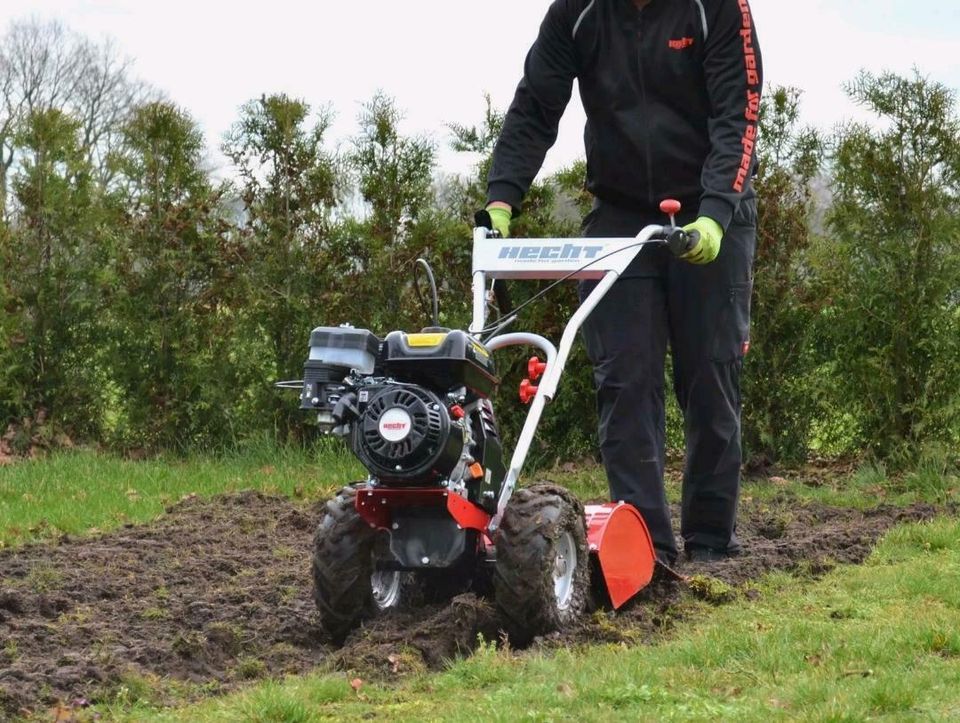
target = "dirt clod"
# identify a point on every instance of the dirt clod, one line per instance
(11, 601)
(218, 592)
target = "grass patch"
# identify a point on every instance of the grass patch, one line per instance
(936, 480)
(248, 668)
(874, 641)
(81, 493)
(863, 488)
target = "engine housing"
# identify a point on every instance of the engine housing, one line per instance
(405, 435)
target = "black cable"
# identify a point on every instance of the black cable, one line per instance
(495, 329)
(433, 290)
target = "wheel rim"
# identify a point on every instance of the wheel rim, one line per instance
(564, 567)
(386, 588)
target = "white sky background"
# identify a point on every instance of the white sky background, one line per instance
(438, 57)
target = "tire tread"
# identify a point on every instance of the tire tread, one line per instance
(523, 576)
(342, 565)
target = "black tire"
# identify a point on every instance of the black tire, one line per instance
(535, 522)
(342, 567)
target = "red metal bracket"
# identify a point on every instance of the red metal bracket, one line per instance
(376, 506)
(467, 514)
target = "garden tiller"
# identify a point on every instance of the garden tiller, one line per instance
(441, 511)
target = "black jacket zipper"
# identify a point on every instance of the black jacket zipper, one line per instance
(651, 196)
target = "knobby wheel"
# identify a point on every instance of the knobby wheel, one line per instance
(346, 586)
(541, 580)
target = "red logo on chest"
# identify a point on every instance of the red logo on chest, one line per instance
(680, 43)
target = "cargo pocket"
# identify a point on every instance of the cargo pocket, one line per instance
(731, 339)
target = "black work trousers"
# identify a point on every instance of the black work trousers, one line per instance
(704, 314)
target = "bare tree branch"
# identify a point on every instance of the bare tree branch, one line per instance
(46, 66)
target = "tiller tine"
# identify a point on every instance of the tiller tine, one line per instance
(618, 536)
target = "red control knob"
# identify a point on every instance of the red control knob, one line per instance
(456, 412)
(527, 391)
(670, 207)
(536, 368)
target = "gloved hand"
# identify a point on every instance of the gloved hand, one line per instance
(500, 217)
(711, 233)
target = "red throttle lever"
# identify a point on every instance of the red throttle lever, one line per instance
(536, 368)
(679, 241)
(527, 391)
(671, 207)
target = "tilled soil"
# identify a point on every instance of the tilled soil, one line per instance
(218, 592)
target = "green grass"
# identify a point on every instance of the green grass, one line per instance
(85, 492)
(865, 487)
(879, 641)
(80, 493)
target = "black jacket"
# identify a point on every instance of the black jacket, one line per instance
(671, 93)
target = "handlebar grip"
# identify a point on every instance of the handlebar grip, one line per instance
(481, 219)
(680, 242)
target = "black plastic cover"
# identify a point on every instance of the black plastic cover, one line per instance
(341, 337)
(458, 360)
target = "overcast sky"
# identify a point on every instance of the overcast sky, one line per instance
(438, 57)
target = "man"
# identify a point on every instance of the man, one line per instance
(671, 90)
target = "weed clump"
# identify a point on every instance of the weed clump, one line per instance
(711, 590)
(249, 668)
(227, 637)
(190, 645)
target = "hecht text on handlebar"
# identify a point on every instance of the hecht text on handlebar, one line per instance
(550, 253)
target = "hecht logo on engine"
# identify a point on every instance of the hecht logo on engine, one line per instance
(566, 252)
(395, 425)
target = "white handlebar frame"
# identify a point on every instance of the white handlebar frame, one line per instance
(596, 259)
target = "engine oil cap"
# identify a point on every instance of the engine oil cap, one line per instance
(395, 425)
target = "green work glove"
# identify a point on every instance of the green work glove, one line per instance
(708, 248)
(500, 217)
